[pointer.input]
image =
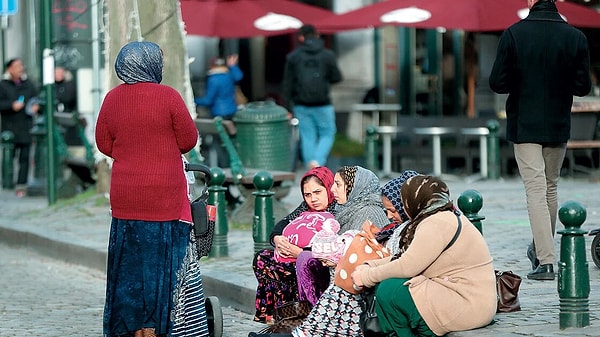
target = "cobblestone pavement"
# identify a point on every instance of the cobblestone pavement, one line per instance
(76, 231)
(42, 296)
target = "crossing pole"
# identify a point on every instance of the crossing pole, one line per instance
(48, 85)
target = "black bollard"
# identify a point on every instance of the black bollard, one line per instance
(493, 150)
(8, 154)
(371, 152)
(216, 197)
(263, 210)
(573, 273)
(470, 203)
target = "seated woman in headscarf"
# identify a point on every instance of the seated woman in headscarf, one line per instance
(429, 288)
(392, 203)
(336, 313)
(358, 194)
(275, 269)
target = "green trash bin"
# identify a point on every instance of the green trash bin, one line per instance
(263, 136)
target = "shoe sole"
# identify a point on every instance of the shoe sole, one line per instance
(542, 277)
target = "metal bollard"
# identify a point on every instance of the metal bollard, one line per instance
(470, 203)
(371, 148)
(573, 273)
(216, 197)
(493, 150)
(263, 210)
(8, 154)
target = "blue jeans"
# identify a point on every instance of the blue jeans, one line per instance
(317, 132)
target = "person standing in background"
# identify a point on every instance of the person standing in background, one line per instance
(308, 74)
(222, 77)
(541, 63)
(17, 110)
(66, 99)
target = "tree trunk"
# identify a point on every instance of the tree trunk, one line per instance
(158, 21)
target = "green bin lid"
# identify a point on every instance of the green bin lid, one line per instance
(261, 111)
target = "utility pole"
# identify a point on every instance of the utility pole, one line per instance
(48, 84)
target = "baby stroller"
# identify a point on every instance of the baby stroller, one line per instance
(204, 227)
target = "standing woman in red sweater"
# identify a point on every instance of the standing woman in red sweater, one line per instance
(154, 285)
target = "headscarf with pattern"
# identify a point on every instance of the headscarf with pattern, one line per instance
(139, 62)
(391, 190)
(325, 176)
(363, 201)
(422, 196)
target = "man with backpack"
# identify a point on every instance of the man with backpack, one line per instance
(310, 70)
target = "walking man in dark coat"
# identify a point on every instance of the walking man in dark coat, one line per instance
(541, 63)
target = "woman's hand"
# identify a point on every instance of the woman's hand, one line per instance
(285, 248)
(232, 60)
(356, 276)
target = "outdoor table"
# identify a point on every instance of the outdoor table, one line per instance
(376, 110)
(435, 133)
(386, 133)
(482, 132)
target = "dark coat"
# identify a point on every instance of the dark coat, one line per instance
(541, 63)
(19, 122)
(293, 90)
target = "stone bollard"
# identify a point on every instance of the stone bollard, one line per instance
(573, 273)
(493, 149)
(263, 210)
(216, 197)
(371, 152)
(470, 203)
(8, 153)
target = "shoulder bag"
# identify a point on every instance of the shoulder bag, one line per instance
(507, 286)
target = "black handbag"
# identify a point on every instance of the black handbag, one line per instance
(204, 227)
(368, 321)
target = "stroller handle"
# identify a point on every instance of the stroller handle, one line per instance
(199, 168)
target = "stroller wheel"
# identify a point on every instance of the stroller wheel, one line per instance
(596, 250)
(214, 316)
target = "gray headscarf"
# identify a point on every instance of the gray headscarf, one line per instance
(139, 62)
(363, 202)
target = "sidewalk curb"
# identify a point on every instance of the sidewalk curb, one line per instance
(229, 294)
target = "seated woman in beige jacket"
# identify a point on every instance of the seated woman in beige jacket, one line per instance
(430, 289)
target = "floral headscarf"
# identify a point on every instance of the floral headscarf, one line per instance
(422, 196)
(139, 62)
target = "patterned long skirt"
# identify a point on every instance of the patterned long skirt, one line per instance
(277, 284)
(335, 314)
(153, 280)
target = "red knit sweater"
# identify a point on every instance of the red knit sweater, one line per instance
(145, 127)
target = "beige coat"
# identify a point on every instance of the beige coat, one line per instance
(453, 290)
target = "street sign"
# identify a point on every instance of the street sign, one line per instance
(9, 7)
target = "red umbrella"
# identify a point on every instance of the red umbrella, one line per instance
(470, 15)
(247, 18)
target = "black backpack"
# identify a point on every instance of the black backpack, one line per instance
(313, 85)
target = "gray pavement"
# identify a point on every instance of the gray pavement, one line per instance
(76, 231)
